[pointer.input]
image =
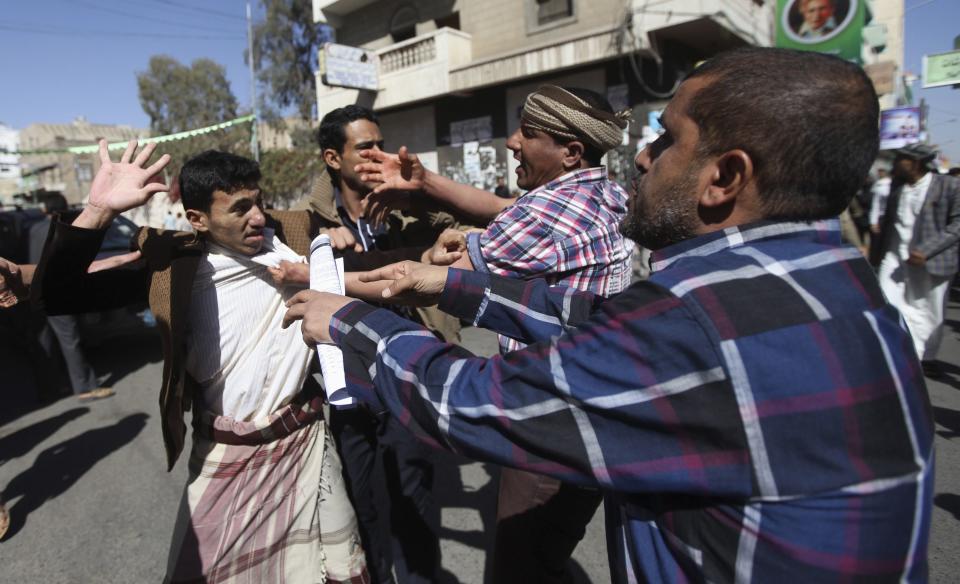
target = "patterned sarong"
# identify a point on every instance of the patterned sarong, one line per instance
(265, 502)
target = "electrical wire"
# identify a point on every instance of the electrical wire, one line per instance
(198, 9)
(144, 18)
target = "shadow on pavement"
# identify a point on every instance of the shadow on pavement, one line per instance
(25, 439)
(948, 502)
(57, 468)
(951, 374)
(120, 357)
(950, 419)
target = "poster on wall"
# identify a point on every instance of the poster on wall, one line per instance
(474, 163)
(824, 26)
(471, 130)
(898, 127)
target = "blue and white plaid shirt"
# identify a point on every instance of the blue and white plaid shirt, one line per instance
(755, 411)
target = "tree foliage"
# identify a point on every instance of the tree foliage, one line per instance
(178, 97)
(285, 55)
(288, 175)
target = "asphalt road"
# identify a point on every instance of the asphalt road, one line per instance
(91, 500)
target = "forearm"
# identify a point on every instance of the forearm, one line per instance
(26, 273)
(94, 218)
(369, 291)
(62, 284)
(528, 311)
(477, 203)
(557, 408)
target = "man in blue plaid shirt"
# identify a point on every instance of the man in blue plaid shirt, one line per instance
(755, 412)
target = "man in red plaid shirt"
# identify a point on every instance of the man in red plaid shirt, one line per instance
(565, 229)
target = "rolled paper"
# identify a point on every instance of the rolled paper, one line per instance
(326, 277)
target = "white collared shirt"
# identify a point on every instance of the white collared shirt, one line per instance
(245, 363)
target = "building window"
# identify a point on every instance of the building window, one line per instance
(403, 25)
(546, 14)
(84, 172)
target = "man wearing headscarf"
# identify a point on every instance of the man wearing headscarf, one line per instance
(565, 228)
(917, 253)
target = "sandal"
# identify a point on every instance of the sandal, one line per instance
(4, 520)
(95, 394)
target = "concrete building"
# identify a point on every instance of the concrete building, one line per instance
(9, 163)
(453, 74)
(68, 173)
(883, 50)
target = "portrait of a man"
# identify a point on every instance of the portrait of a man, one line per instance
(812, 21)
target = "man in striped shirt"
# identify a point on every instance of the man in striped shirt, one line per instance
(755, 412)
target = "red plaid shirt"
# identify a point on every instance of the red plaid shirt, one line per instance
(566, 231)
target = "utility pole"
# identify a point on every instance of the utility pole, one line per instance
(254, 142)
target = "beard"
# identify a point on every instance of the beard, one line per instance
(662, 217)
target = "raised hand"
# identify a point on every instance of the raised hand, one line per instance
(409, 282)
(396, 172)
(123, 185)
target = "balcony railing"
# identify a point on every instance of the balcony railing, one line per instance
(401, 56)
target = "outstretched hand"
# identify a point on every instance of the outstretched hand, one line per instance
(396, 172)
(123, 185)
(13, 286)
(315, 309)
(449, 247)
(409, 282)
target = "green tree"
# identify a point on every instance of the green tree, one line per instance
(178, 98)
(285, 48)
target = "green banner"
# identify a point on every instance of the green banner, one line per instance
(142, 141)
(824, 26)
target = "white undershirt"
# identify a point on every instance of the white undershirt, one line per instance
(245, 363)
(911, 202)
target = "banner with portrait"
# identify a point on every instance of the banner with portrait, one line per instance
(825, 26)
(899, 127)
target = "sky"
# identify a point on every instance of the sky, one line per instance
(67, 58)
(931, 28)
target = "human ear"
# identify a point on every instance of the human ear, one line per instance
(332, 158)
(198, 220)
(573, 154)
(731, 172)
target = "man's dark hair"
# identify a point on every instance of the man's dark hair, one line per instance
(808, 121)
(54, 202)
(331, 133)
(955, 171)
(215, 171)
(591, 154)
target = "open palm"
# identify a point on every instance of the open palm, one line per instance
(120, 186)
(402, 171)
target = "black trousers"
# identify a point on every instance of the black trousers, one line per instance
(389, 477)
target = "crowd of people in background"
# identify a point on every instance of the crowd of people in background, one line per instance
(679, 401)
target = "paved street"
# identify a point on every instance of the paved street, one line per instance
(92, 502)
